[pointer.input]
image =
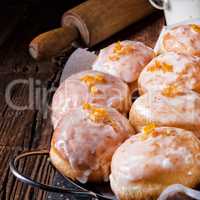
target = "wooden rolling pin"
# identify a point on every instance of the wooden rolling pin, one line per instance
(92, 21)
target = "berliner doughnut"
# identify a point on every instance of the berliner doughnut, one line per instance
(124, 59)
(170, 69)
(168, 108)
(146, 163)
(92, 87)
(182, 39)
(85, 139)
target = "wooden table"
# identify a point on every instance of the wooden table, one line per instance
(29, 130)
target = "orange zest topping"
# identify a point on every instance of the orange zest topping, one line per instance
(171, 91)
(149, 130)
(195, 27)
(119, 50)
(100, 78)
(91, 80)
(87, 106)
(98, 114)
(114, 57)
(165, 67)
(118, 46)
(93, 90)
(88, 80)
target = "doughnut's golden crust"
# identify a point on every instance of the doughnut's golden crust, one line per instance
(148, 170)
(133, 86)
(65, 168)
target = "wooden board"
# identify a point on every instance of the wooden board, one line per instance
(28, 130)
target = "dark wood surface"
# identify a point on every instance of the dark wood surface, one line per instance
(29, 129)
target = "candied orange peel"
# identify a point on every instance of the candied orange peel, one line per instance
(120, 49)
(93, 90)
(118, 46)
(165, 67)
(98, 114)
(87, 106)
(114, 57)
(171, 91)
(149, 130)
(195, 27)
(91, 80)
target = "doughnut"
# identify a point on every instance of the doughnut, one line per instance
(183, 39)
(168, 108)
(124, 59)
(170, 69)
(154, 159)
(92, 87)
(85, 139)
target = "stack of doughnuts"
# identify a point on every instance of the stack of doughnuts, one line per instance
(90, 87)
(167, 118)
(90, 109)
(144, 147)
(85, 140)
(170, 83)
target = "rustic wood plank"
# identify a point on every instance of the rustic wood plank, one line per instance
(28, 124)
(37, 168)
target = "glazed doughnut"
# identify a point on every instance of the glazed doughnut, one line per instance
(92, 87)
(125, 60)
(155, 159)
(170, 69)
(182, 39)
(168, 108)
(85, 139)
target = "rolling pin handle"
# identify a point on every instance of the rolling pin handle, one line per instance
(51, 43)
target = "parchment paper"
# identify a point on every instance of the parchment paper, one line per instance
(81, 59)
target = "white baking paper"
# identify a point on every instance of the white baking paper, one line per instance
(81, 59)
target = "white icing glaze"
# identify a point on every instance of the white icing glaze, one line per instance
(161, 154)
(73, 92)
(182, 39)
(157, 80)
(166, 163)
(89, 145)
(128, 67)
(181, 111)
